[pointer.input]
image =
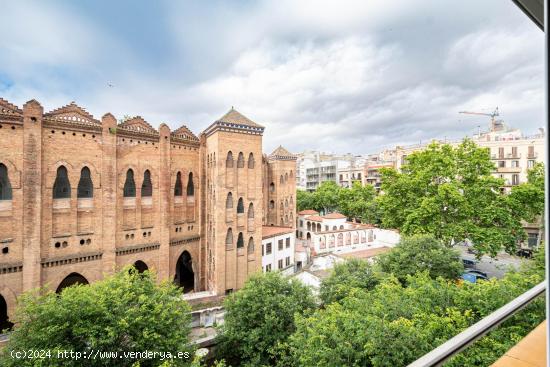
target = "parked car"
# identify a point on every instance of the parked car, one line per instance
(473, 276)
(469, 263)
(525, 252)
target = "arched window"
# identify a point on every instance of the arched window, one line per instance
(281, 207)
(250, 248)
(229, 238)
(146, 186)
(240, 206)
(229, 160)
(61, 186)
(271, 204)
(291, 174)
(190, 185)
(240, 160)
(178, 187)
(85, 187)
(229, 201)
(281, 180)
(5, 186)
(286, 177)
(250, 210)
(286, 203)
(272, 187)
(251, 160)
(129, 185)
(240, 240)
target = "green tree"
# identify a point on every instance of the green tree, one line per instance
(305, 200)
(326, 197)
(359, 202)
(352, 274)
(260, 316)
(450, 193)
(124, 312)
(421, 253)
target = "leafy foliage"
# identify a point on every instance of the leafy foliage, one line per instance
(450, 193)
(356, 202)
(421, 253)
(260, 316)
(124, 312)
(354, 273)
(397, 322)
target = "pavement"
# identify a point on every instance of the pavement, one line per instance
(494, 267)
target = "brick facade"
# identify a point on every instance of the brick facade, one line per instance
(156, 196)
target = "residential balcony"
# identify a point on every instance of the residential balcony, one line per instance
(530, 351)
(506, 156)
(508, 169)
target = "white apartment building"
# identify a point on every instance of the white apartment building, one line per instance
(314, 167)
(278, 245)
(332, 233)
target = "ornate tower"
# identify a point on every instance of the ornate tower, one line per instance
(280, 188)
(232, 209)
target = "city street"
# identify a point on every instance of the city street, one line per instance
(495, 268)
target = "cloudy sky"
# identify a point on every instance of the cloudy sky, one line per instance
(340, 76)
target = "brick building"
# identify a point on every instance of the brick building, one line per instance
(81, 197)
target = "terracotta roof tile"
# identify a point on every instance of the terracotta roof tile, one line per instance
(315, 218)
(334, 216)
(308, 212)
(235, 117)
(271, 231)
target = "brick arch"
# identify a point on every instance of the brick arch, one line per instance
(52, 173)
(174, 256)
(14, 175)
(90, 276)
(94, 172)
(11, 301)
(121, 175)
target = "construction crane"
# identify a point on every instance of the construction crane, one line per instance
(495, 124)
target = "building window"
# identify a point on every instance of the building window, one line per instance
(301, 223)
(501, 152)
(515, 164)
(501, 164)
(514, 152)
(240, 160)
(531, 151)
(287, 261)
(129, 185)
(190, 185)
(250, 211)
(272, 187)
(287, 242)
(515, 179)
(229, 201)
(268, 268)
(85, 187)
(250, 245)
(229, 160)
(281, 180)
(251, 160)
(280, 264)
(263, 249)
(280, 245)
(229, 238)
(271, 204)
(61, 186)
(240, 206)
(5, 185)
(268, 248)
(178, 187)
(530, 163)
(240, 240)
(147, 185)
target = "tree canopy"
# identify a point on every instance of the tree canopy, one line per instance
(260, 316)
(421, 253)
(353, 273)
(126, 312)
(357, 202)
(449, 192)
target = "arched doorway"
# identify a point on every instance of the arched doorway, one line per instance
(71, 279)
(308, 239)
(4, 319)
(185, 277)
(140, 266)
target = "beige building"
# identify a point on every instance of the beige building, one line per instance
(82, 197)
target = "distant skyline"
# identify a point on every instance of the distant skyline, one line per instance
(335, 76)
